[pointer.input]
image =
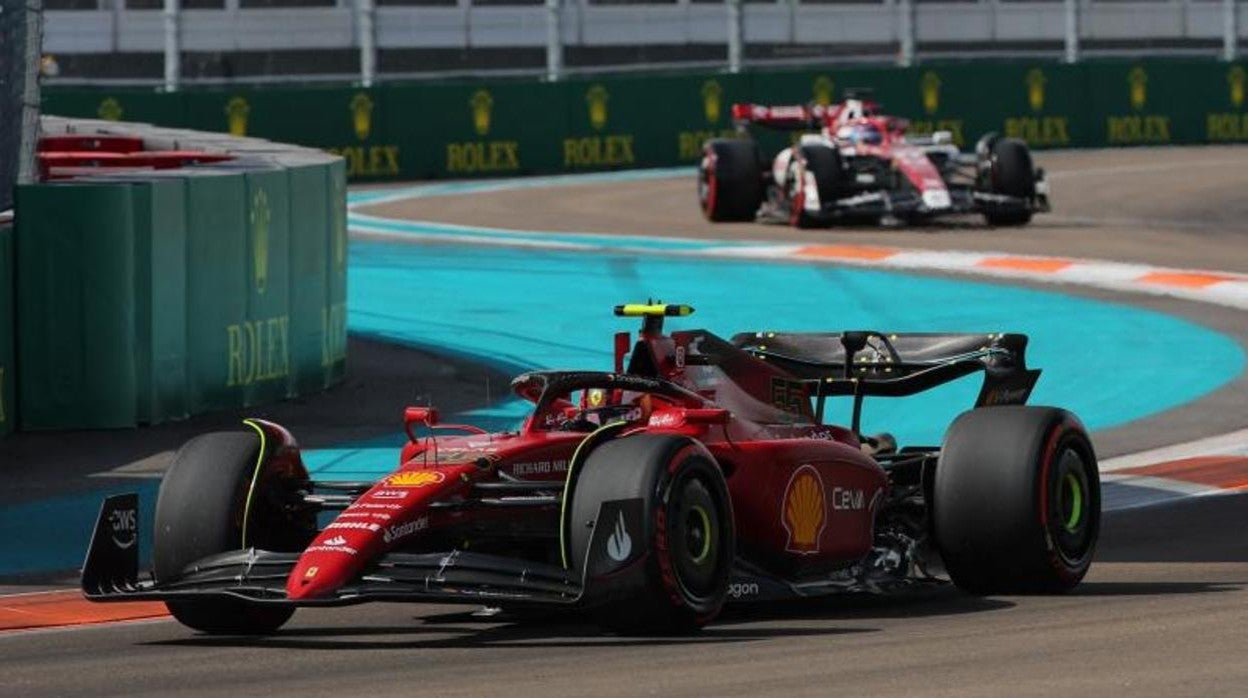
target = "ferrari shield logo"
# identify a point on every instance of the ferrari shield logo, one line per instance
(930, 87)
(1235, 81)
(712, 93)
(1137, 82)
(822, 90)
(482, 105)
(236, 111)
(804, 513)
(1035, 89)
(362, 115)
(261, 215)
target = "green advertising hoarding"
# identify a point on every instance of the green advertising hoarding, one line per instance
(145, 301)
(497, 128)
(8, 405)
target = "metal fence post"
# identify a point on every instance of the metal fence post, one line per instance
(554, 40)
(1230, 30)
(905, 32)
(736, 34)
(366, 37)
(173, 53)
(1072, 31)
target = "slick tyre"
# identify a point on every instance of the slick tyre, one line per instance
(1016, 501)
(1011, 173)
(730, 180)
(687, 531)
(200, 511)
(825, 164)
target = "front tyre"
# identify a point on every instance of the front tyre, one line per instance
(1010, 172)
(1017, 500)
(730, 180)
(200, 511)
(687, 527)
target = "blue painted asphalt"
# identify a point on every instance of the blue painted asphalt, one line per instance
(522, 308)
(527, 308)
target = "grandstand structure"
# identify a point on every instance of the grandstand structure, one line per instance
(218, 41)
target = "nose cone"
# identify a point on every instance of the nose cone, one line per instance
(316, 577)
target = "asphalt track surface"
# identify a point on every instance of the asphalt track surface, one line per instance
(1163, 611)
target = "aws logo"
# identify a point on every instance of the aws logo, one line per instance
(236, 112)
(712, 101)
(109, 109)
(822, 89)
(482, 105)
(362, 115)
(804, 514)
(929, 87)
(261, 216)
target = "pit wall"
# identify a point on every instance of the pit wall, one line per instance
(147, 297)
(493, 128)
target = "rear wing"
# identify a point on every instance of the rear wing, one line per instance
(868, 363)
(796, 117)
(800, 117)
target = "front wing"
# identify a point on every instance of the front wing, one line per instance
(111, 571)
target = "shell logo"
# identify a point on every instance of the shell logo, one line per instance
(805, 514)
(415, 478)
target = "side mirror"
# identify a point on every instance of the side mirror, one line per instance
(412, 416)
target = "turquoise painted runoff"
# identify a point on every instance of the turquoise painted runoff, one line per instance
(530, 308)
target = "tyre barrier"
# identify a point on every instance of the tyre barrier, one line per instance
(163, 272)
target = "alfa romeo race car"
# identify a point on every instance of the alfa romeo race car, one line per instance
(860, 165)
(696, 472)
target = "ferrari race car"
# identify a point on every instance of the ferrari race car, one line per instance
(698, 471)
(860, 165)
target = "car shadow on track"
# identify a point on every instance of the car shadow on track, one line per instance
(1152, 588)
(515, 635)
(750, 623)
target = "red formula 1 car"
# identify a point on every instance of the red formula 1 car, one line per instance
(860, 165)
(699, 471)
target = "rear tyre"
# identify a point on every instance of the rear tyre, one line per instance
(688, 527)
(200, 512)
(1017, 501)
(1010, 172)
(730, 180)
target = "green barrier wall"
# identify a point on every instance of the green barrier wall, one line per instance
(8, 406)
(431, 130)
(144, 301)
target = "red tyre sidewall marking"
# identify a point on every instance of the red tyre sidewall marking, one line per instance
(712, 184)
